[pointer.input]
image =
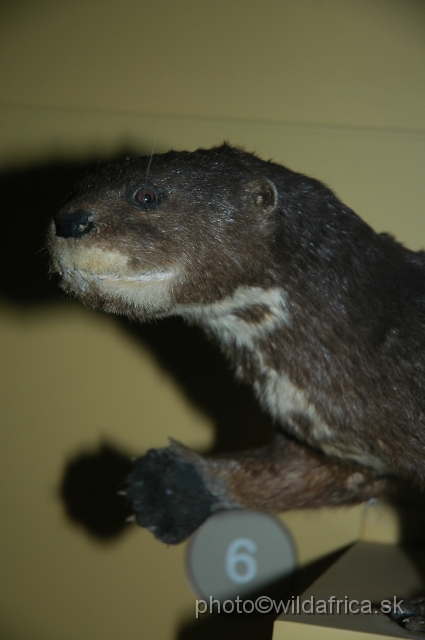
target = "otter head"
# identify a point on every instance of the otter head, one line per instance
(155, 235)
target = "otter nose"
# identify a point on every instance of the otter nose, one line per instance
(73, 225)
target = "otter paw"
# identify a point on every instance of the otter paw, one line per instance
(168, 495)
(411, 614)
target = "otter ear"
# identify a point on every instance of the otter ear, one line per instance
(262, 193)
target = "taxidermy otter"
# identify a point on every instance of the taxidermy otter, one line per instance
(321, 315)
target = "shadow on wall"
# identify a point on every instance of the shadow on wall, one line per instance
(30, 197)
(89, 491)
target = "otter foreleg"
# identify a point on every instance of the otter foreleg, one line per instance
(173, 490)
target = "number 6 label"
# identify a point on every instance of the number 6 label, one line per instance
(237, 552)
(237, 556)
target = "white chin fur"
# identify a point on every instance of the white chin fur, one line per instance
(148, 276)
(149, 292)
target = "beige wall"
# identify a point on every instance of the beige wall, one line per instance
(334, 88)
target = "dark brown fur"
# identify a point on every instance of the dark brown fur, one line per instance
(348, 348)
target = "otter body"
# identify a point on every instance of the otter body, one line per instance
(321, 315)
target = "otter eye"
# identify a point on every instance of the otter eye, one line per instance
(145, 197)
